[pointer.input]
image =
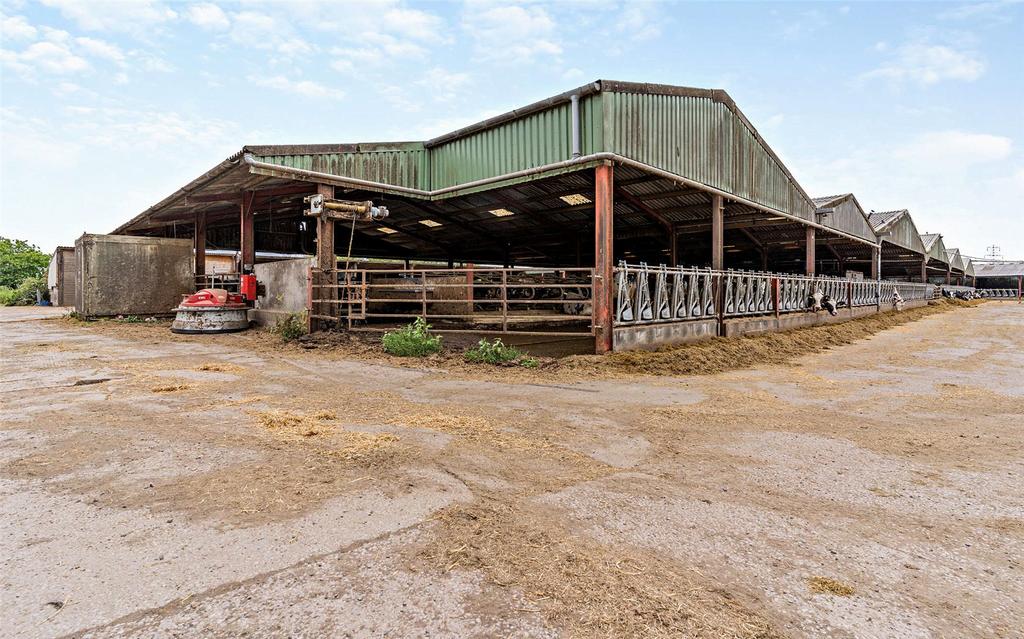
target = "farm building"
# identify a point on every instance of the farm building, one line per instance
(60, 276)
(629, 215)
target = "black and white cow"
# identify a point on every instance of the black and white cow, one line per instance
(819, 301)
(897, 300)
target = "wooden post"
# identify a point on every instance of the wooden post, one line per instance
(949, 274)
(325, 260)
(248, 232)
(717, 233)
(809, 249)
(1019, 281)
(924, 269)
(604, 234)
(199, 246)
(469, 289)
(876, 263)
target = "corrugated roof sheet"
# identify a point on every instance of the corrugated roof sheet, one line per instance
(999, 269)
(828, 199)
(880, 219)
(929, 240)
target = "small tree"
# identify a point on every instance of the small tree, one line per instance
(19, 261)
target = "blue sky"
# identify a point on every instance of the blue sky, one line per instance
(109, 106)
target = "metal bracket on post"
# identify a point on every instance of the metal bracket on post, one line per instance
(344, 209)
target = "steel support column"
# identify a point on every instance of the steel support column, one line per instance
(924, 270)
(949, 275)
(809, 257)
(199, 245)
(247, 232)
(325, 260)
(717, 233)
(876, 263)
(604, 257)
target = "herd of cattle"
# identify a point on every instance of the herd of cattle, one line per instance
(819, 301)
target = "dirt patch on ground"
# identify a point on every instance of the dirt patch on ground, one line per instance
(587, 589)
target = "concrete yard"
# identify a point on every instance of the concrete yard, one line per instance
(155, 485)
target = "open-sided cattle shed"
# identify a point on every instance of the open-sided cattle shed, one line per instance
(606, 173)
(904, 256)
(999, 274)
(844, 212)
(938, 263)
(957, 268)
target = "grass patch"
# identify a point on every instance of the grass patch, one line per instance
(828, 586)
(291, 327)
(413, 340)
(128, 319)
(498, 353)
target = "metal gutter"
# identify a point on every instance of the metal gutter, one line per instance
(327, 178)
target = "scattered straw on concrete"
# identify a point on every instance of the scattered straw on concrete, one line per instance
(217, 367)
(722, 354)
(330, 440)
(171, 388)
(583, 587)
(828, 586)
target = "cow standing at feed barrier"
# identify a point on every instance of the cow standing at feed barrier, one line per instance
(819, 301)
(897, 301)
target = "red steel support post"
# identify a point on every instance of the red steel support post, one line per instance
(1019, 279)
(247, 232)
(199, 245)
(604, 234)
(876, 263)
(809, 261)
(717, 233)
(949, 274)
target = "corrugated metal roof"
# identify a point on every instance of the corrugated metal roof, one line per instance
(881, 219)
(929, 240)
(844, 213)
(828, 199)
(699, 135)
(999, 269)
(954, 260)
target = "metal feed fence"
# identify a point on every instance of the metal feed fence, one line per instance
(998, 293)
(648, 295)
(644, 295)
(505, 300)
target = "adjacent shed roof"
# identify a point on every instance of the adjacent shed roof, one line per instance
(954, 260)
(844, 213)
(999, 269)
(694, 137)
(897, 228)
(935, 247)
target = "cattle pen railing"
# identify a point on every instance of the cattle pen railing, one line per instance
(544, 301)
(647, 295)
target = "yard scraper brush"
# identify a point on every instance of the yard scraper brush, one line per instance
(211, 310)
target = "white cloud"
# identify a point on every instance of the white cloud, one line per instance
(443, 85)
(17, 28)
(306, 88)
(925, 64)
(46, 56)
(384, 50)
(640, 21)
(134, 17)
(100, 49)
(955, 148)
(962, 184)
(511, 33)
(208, 16)
(415, 24)
(572, 74)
